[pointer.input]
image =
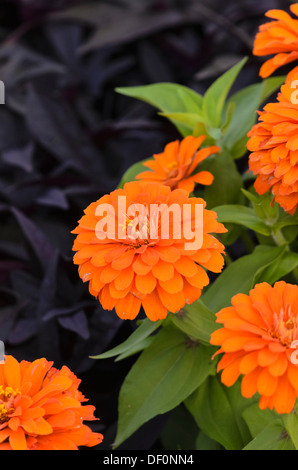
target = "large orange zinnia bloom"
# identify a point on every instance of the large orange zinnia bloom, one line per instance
(40, 408)
(278, 37)
(157, 273)
(274, 146)
(256, 341)
(177, 165)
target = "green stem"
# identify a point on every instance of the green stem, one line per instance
(228, 259)
(279, 238)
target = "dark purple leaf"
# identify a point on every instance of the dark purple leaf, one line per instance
(21, 157)
(38, 240)
(57, 312)
(24, 329)
(48, 287)
(7, 319)
(66, 38)
(25, 285)
(53, 197)
(13, 132)
(54, 125)
(123, 29)
(155, 67)
(76, 323)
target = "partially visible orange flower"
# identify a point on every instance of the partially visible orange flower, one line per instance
(40, 408)
(274, 146)
(177, 165)
(133, 268)
(278, 37)
(256, 340)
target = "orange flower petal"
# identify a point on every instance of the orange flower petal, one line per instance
(128, 307)
(145, 284)
(154, 308)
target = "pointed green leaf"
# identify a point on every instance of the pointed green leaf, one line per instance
(247, 101)
(196, 320)
(165, 374)
(146, 328)
(243, 216)
(290, 422)
(239, 277)
(188, 120)
(215, 96)
(272, 437)
(284, 264)
(258, 419)
(218, 412)
(168, 97)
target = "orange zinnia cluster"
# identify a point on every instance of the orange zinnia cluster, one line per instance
(158, 273)
(278, 37)
(40, 408)
(256, 340)
(176, 165)
(274, 146)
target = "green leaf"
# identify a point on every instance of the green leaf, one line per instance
(197, 321)
(135, 339)
(188, 120)
(230, 110)
(132, 172)
(238, 277)
(138, 347)
(247, 101)
(258, 419)
(204, 442)
(180, 430)
(218, 412)
(285, 263)
(285, 220)
(226, 187)
(215, 96)
(168, 98)
(272, 437)
(163, 376)
(270, 85)
(290, 422)
(242, 215)
(232, 234)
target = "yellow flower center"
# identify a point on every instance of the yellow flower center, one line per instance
(5, 413)
(138, 230)
(285, 327)
(7, 396)
(172, 170)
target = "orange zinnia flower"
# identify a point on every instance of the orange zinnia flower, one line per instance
(40, 408)
(176, 165)
(256, 340)
(274, 146)
(158, 273)
(277, 37)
